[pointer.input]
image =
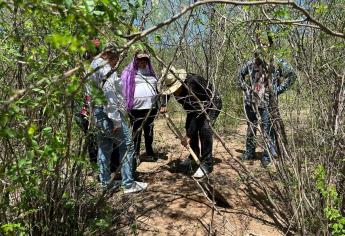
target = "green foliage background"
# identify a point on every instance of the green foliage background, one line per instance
(44, 183)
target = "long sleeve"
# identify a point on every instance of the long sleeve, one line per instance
(289, 76)
(191, 124)
(95, 79)
(106, 92)
(113, 107)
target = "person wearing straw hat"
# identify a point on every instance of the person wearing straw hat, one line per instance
(202, 104)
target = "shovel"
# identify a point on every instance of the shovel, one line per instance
(212, 194)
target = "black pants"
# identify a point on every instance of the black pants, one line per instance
(203, 134)
(143, 120)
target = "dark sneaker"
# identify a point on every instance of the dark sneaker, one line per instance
(150, 157)
(150, 153)
(187, 165)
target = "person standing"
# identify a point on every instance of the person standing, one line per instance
(92, 49)
(256, 101)
(140, 90)
(202, 104)
(111, 127)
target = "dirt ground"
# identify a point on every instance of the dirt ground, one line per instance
(173, 204)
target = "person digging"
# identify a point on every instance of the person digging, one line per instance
(202, 104)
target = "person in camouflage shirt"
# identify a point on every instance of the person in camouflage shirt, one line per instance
(256, 98)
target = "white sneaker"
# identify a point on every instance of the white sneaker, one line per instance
(136, 187)
(200, 172)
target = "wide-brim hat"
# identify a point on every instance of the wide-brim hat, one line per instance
(171, 80)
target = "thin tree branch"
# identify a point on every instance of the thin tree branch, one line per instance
(143, 33)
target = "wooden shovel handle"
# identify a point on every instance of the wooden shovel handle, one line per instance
(180, 136)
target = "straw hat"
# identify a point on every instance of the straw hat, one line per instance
(169, 84)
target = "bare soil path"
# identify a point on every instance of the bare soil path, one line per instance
(174, 204)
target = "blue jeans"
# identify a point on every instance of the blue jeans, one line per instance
(266, 128)
(106, 138)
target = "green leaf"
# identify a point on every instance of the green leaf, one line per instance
(282, 12)
(47, 131)
(320, 8)
(12, 229)
(73, 85)
(98, 13)
(140, 3)
(32, 129)
(38, 90)
(246, 8)
(7, 132)
(157, 38)
(68, 3)
(118, 32)
(24, 163)
(14, 109)
(105, 2)
(90, 5)
(3, 119)
(102, 223)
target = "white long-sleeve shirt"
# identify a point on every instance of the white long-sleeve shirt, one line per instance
(107, 94)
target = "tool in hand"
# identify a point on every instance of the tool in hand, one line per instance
(212, 194)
